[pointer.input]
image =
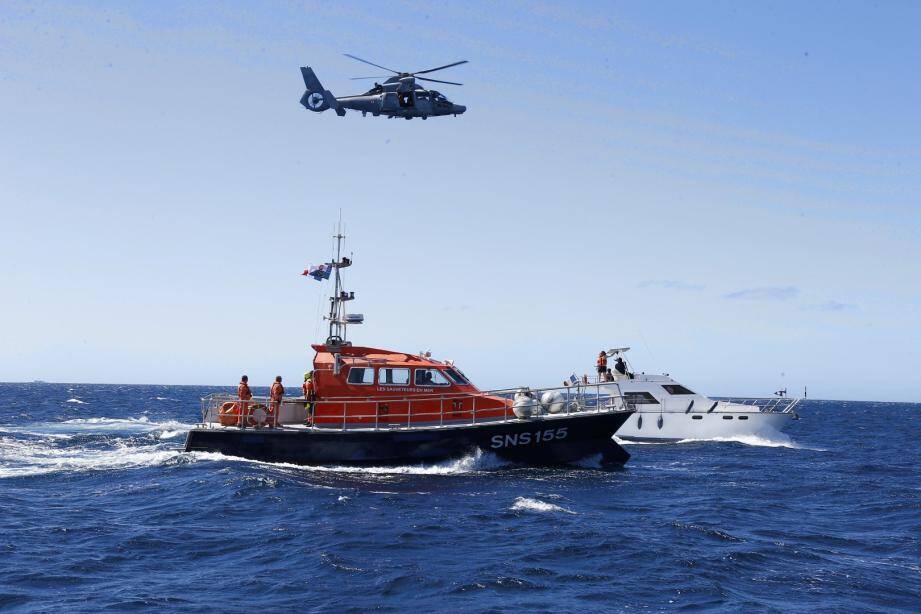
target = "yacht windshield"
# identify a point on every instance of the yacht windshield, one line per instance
(457, 376)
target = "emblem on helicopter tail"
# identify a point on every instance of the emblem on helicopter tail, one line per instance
(315, 101)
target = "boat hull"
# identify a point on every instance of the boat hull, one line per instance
(548, 440)
(645, 426)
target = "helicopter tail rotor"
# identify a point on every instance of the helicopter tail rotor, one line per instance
(317, 98)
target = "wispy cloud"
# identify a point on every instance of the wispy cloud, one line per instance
(770, 293)
(671, 284)
(832, 305)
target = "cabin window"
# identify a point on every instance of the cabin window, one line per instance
(697, 417)
(743, 417)
(361, 376)
(676, 389)
(640, 398)
(393, 377)
(406, 99)
(727, 417)
(431, 377)
(457, 376)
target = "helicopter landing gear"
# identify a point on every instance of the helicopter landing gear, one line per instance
(425, 117)
(364, 113)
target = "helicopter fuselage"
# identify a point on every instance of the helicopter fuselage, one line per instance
(417, 103)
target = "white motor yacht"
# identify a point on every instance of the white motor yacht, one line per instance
(668, 411)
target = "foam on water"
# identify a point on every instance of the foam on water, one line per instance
(78, 401)
(526, 504)
(476, 461)
(104, 443)
(19, 457)
(774, 439)
(142, 424)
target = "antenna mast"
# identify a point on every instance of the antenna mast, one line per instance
(338, 318)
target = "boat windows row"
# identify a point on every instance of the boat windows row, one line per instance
(399, 376)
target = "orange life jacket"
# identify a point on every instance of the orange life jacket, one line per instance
(602, 361)
(277, 392)
(308, 388)
(243, 391)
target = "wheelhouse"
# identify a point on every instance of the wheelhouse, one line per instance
(397, 388)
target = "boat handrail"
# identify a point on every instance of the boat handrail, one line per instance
(768, 405)
(574, 399)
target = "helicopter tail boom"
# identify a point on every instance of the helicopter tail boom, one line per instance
(317, 98)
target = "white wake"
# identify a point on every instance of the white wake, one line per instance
(68, 446)
(20, 458)
(476, 461)
(525, 504)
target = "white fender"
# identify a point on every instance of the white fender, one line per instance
(525, 404)
(552, 401)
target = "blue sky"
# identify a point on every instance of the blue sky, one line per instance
(731, 189)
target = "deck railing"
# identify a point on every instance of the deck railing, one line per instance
(773, 405)
(505, 405)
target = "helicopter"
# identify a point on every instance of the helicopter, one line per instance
(398, 96)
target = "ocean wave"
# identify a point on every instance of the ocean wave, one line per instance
(142, 424)
(777, 440)
(75, 400)
(476, 461)
(21, 458)
(525, 504)
(768, 440)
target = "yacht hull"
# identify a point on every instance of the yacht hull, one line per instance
(674, 426)
(548, 440)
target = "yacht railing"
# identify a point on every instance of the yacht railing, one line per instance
(220, 410)
(774, 405)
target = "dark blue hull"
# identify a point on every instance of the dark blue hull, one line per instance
(547, 441)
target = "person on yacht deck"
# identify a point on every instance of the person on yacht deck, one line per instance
(309, 395)
(275, 395)
(244, 394)
(602, 364)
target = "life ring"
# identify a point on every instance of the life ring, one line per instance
(229, 414)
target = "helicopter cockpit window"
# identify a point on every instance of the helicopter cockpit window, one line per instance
(431, 377)
(406, 99)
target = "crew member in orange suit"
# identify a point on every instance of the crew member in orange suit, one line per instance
(244, 394)
(309, 395)
(275, 395)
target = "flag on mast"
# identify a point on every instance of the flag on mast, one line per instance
(319, 272)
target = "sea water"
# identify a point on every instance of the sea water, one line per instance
(100, 507)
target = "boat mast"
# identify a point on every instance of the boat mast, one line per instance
(338, 319)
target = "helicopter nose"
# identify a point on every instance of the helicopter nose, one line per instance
(459, 108)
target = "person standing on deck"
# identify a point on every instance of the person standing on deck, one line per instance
(309, 395)
(275, 395)
(602, 364)
(244, 394)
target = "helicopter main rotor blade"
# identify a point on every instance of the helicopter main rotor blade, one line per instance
(422, 72)
(437, 81)
(378, 77)
(354, 57)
